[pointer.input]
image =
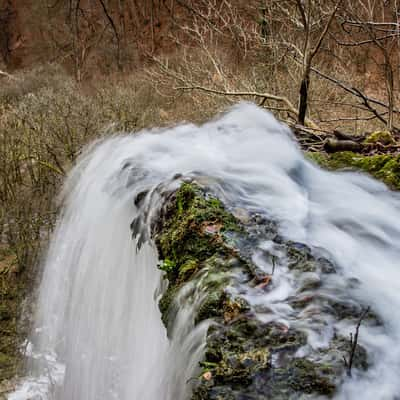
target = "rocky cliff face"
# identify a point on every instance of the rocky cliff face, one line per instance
(252, 352)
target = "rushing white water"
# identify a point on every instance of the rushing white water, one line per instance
(99, 333)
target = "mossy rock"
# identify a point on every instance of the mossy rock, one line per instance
(204, 248)
(239, 356)
(193, 237)
(191, 230)
(240, 367)
(165, 303)
(188, 269)
(305, 376)
(211, 306)
(384, 167)
(382, 137)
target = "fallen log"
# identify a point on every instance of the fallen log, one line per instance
(333, 145)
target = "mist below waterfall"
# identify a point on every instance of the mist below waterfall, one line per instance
(98, 331)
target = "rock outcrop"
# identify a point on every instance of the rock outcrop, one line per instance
(384, 167)
(251, 352)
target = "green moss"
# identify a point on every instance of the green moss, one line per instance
(167, 266)
(207, 366)
(246, 334)
(383, 137)
(240, 356)
(190, 238)
(184, 197)
(322, 159)
(211, 306)
(165, 303)
(308, 377)
(193, 230)
(382, 166)
(188, 269)
(390, 173)
(194, 239)
(216, 276)
(241, 367)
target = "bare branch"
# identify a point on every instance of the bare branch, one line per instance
(353, 342)
(267, 96)
(115, 30)
(302, 13)
(362, 42)
(350, 89)
(325, 31)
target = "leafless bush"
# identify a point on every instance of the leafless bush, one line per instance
(265, 52)
(375, 25)
(45, 120)
(289, 45)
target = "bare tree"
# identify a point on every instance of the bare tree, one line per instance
(91, 31)
(301, 27)
(310, 50)
(375, 24)
(114, 28)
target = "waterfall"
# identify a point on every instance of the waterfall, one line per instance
(98, 332)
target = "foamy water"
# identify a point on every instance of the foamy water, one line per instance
(99, 333)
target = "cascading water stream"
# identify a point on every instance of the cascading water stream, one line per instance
(99, 333)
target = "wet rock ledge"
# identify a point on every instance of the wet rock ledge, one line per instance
(250, 352)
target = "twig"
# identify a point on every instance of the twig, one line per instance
(362, 42)
(353, 343)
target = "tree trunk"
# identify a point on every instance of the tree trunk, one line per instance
(303, 102)
(390, 92)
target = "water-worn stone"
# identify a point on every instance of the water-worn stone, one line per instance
(245, 358)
